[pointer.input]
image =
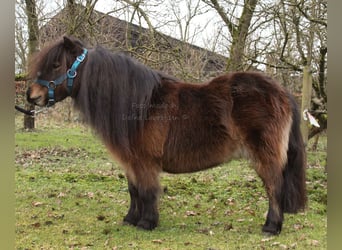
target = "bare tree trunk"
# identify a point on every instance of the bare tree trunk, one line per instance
(32, 21)
(319, 104)
(238, 31)
(306, 101)
(237, 49)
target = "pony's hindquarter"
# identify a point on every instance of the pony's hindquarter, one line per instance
(268, 121)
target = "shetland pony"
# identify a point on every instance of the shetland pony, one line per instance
(151, 122)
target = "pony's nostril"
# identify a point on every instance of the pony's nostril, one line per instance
(31, 99)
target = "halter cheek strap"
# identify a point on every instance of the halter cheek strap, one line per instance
(69, 76)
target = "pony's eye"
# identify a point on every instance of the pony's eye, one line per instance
(56, 65)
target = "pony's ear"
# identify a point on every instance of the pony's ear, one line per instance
(69, 44)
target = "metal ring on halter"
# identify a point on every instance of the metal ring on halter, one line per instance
(52, 84)
(69, 74)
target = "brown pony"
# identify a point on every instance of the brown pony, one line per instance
(151, 122)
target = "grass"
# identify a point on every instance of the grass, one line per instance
(71, 195)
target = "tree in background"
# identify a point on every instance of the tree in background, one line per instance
(238, 29)
(32, 22)
(301, 46)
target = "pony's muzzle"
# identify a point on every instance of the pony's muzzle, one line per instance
(28, 96)
(35, 96)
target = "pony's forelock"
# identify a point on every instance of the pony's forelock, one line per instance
(43, 59)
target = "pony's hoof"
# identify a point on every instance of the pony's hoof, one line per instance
(271, 230)
(129, 220)
(147, 225)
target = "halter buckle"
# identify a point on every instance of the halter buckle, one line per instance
(80, 58)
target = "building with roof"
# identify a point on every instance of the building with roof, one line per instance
(157, 50)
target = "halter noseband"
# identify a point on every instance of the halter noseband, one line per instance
(69, 75)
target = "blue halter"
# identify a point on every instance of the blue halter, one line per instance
(69, 75)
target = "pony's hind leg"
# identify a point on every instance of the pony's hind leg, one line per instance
(273, 184)
(275, 215)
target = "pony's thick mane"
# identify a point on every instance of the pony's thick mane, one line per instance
(114, 95)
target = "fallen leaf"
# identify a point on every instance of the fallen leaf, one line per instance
(197, 205)
(37, 203)
(36, 225)
(297, 226)
(157, 241)
(101, 217)
(61, 195)
(190, 213)
(302, 237)
(294, 245)
(228, 226)
(171, 198)
(230, 201)
(265, 239)
(48, 223)
(315, 243)
(204, 230)
(90, 195)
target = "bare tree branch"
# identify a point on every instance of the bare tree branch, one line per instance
(136, 6)
(222, 13)
(289, 67)
(308, 17)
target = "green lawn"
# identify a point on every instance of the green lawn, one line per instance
(71, 195)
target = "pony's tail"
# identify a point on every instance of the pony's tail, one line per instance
(294, 186)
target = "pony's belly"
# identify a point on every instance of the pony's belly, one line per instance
(183, 169)
(186, 160)
(188, 164)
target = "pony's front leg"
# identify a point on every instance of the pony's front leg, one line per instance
(144, 194)
(150, 215)
(135, 209)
